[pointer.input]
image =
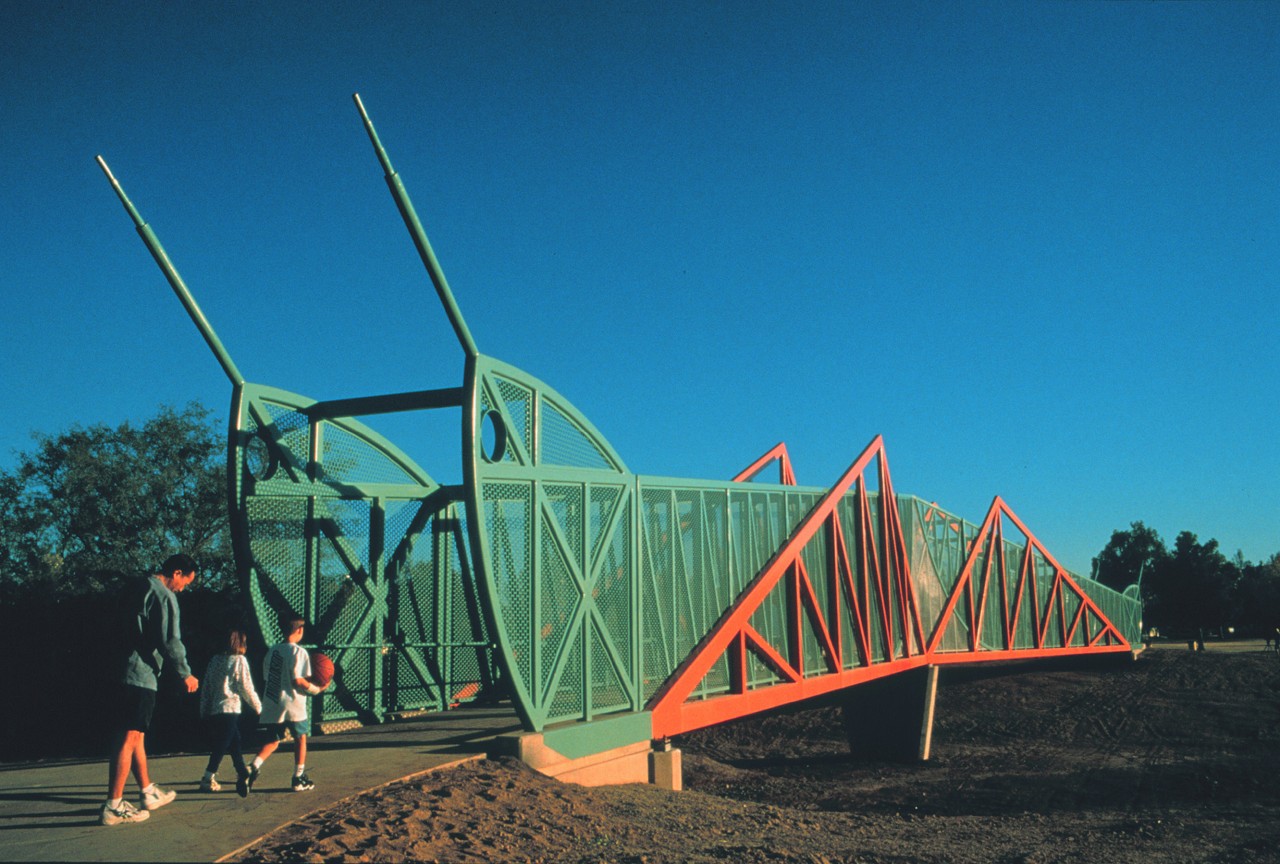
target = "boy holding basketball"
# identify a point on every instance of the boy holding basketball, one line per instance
(285, 671)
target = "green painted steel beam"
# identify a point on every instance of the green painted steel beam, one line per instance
(419, 235)
(175, 281)
(577, 740)
(363, 406)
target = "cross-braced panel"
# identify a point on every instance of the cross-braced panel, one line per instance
(337, 525)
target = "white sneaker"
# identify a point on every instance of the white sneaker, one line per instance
(210, 784)
(155, 797)
(126, 812)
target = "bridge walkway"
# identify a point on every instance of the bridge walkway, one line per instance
(49, 811)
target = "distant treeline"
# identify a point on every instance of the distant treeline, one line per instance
(1193, 587)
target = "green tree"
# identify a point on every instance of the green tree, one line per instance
(1129, 555)
(90, 506)
(1258, 597)
(1191, 590)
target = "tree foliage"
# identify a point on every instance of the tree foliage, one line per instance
(1128, 556)
(1258, 597)
(93, 505)
(1191, 589)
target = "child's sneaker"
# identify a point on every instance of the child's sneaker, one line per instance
(126, 812)
(153, 798)
(244, 782)
(302, 783)
(210, 784)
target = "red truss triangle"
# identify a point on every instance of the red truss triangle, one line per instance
(976, 582)
(878, 576)
(852, 583)
(779, 454)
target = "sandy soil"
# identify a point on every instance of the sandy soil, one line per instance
(1172, 758)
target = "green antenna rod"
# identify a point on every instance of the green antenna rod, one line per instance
(179, 287)
(419, 237)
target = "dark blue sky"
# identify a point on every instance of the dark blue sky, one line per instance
(1033, 245)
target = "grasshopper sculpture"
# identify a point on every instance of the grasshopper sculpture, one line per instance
(609, 607)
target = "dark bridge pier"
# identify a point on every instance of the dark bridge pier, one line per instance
(892, 717)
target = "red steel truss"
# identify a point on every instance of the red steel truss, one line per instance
(882, 580)
(779, 454)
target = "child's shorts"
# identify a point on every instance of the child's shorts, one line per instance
(297, 727)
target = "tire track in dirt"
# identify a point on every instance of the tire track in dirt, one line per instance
(1170, 759)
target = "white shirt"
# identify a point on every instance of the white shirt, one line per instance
(281, 699)
(226, 683)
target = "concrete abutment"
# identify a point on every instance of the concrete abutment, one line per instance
(605, 752)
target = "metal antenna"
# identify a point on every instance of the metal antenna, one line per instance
(179, 287)
(419, 237)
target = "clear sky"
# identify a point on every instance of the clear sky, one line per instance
(1034, 245)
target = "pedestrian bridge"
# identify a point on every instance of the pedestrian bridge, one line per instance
(614, 609)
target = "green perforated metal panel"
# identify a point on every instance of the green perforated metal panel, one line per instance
(337, 525)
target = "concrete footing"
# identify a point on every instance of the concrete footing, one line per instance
(631, 763)
(666, 770)
(892, 718)
(606, 752)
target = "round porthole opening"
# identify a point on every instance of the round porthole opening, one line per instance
(493, 436)
(258, 460)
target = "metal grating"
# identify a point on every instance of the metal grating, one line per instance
(564, 443)
(348, 458)
(612, 590)
(278, 539)
(508, 514)
(570, 695)
(557, 598)
(518, 401)
(608, 692)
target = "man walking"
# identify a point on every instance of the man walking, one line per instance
(154, 635)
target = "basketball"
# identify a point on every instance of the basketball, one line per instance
(321, 669)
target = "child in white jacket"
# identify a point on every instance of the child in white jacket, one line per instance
(227, 688)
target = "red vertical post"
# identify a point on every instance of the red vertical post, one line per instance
(834, 612)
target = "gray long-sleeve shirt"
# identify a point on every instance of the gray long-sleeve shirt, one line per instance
(157, 635)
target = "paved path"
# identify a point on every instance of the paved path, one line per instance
(1213, 646)
(49, 812)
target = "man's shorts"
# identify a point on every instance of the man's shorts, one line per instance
(136, 707)
(297, 727)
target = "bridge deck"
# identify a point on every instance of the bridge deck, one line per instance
(50, 810)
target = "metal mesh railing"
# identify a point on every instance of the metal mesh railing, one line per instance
(336, 526)
(940, 542)
(698, 548)
(603, 583)
(564, 443)
(604, 587)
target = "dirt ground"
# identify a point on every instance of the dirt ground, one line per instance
(1172, 758)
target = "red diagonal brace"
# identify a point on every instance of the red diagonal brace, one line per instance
(1066, 577)
(779, 452)
(966, 577)
(667, 702)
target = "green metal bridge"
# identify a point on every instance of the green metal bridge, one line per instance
(613, 609)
